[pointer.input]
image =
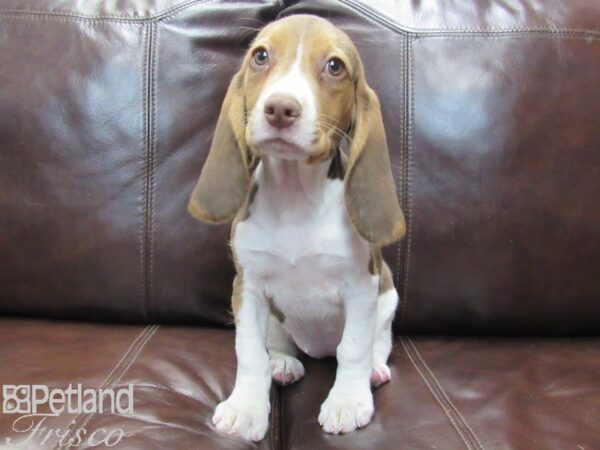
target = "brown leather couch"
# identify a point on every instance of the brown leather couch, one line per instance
(492, 109)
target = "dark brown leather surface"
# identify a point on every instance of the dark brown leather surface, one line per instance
(503, 200)
(179, 376)
(477, 15)
(105, 108)
(446, 393)
(197, 53)
(466, 393)
(494, 147)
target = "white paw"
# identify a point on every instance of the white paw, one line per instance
(380, 374)
(248, 420)
(285, 369)
(345, 412)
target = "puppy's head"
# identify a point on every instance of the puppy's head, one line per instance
(300, 90)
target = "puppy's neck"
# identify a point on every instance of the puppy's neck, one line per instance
(295, 179)
(293, 189)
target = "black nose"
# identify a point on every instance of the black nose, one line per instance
(282, 110)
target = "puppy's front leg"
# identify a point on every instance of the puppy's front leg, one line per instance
(246, 412)
(349, 404)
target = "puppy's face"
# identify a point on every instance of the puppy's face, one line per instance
(299, 89)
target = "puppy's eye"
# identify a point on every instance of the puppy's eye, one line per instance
(260, 57)
(335, 67)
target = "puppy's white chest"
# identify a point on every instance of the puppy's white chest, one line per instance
(293, 248)
(301, 261)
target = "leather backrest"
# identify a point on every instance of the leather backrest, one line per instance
(491, 115)
(492, 111)
(106, 113)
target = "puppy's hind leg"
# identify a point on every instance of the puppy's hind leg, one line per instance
(382, 345)
(285, 367)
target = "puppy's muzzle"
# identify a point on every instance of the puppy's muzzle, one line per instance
(282, 110)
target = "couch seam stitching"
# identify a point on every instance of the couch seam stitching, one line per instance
(554, 36)
(282, 421)
(104, 383)
(38, 17)
(146, 172)
(158, 16)
(277, 432)
(152, 170)
(107, 380)
(435, 395)
(401, 88)
(132, 359)
(142, 251)
(273, 416)
(593, 34)
(148, 175)
(407, 176)
(443, 392)
(390, 23)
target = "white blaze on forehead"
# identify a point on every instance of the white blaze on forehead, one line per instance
(294, 83)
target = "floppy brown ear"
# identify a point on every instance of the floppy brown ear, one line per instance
(370, 193)
(225, 177)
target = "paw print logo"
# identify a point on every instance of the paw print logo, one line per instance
(16, 399)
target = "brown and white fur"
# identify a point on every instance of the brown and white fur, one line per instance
(308, 222)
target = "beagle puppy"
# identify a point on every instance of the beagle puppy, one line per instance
(308, 222)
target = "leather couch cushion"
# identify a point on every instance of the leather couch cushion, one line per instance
(466, 393)
(179, 376)
(445, 392)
